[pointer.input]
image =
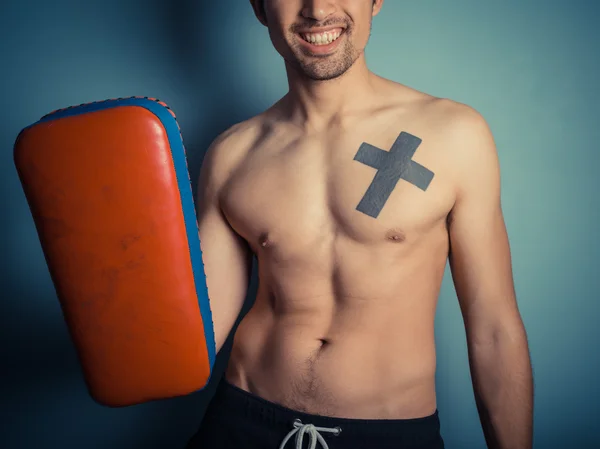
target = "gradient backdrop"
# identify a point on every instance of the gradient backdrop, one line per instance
(530, 67)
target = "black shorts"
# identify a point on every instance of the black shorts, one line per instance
(236, 419)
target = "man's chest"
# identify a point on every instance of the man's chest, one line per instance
(374, 186)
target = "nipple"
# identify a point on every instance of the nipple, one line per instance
(263, 240)
(395, 235)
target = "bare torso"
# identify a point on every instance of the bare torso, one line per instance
(343, 322)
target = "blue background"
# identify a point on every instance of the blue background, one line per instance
(531, 68)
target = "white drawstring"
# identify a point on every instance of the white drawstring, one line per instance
(300, 429)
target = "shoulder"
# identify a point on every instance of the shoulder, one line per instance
(464, 138)
(463, 141)
(233, 140)
(467, 141)
(450, 119)
(229, 148)
(461, 127)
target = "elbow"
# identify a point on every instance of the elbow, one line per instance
(500, 330)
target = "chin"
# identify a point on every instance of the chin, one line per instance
(328, 76)
(325, 69)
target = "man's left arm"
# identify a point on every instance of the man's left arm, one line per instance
(480, 263)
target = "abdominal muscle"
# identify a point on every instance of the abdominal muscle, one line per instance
(348, 357)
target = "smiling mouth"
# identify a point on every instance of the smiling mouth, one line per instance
(322, 38)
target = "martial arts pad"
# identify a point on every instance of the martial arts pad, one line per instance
(109, 191)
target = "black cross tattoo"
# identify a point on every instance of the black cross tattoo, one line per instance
(391, 166)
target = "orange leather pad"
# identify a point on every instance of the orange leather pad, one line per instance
(104, 196)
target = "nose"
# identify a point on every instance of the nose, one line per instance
(318, 9)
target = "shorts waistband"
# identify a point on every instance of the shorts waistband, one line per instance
(244, 405)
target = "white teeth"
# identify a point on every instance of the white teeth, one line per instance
(321, 38)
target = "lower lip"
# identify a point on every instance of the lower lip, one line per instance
(321, 49)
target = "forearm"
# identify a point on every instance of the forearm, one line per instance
(503, 384)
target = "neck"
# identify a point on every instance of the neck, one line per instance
(318, 104)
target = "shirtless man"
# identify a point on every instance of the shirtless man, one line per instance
(353, 191)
